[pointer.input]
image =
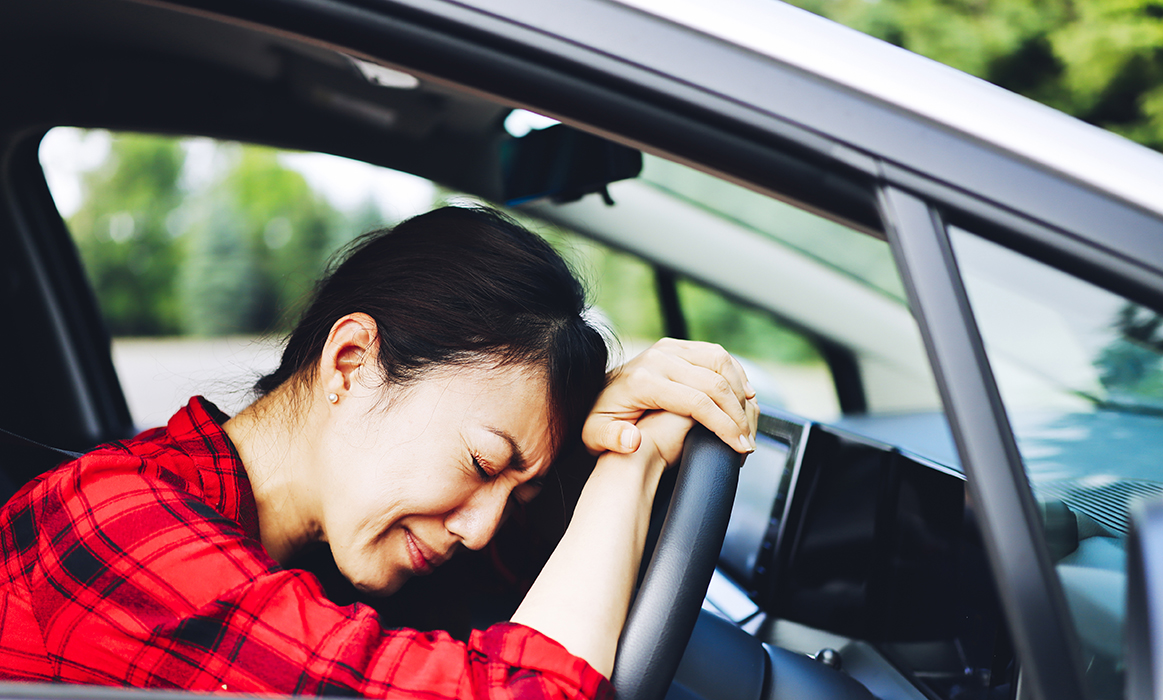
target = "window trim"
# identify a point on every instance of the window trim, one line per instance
(99, 410)
(1031, 595)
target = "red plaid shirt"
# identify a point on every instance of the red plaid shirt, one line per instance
(139, 564)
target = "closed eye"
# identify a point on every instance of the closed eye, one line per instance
(481, 471)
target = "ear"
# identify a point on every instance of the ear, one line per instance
(352, 343)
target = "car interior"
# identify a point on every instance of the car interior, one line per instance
(852, 562)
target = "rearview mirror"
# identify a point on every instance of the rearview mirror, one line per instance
(563, 164)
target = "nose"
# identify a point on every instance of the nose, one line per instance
(476, 520)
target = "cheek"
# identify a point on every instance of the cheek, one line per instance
(376, 504)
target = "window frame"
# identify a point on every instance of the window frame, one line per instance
(89, 406)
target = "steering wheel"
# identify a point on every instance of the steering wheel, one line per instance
(664, 612)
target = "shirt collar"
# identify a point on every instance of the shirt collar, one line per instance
(197, 430)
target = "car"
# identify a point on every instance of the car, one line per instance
(953, 517)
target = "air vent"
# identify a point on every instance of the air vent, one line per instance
(1107, 503)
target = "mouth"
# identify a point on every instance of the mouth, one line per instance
(423, 558)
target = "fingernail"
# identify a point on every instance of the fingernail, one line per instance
(749, 390)
(746, 444)
(626, 439)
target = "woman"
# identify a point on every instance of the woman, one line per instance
(432, 382)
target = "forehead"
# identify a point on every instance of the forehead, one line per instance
(509, 401)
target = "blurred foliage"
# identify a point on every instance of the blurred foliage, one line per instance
(1099, 60)
(623, 289)
(620, 286)
(238, 254)
(258, 239)
(1131, 367)
(742, 330)
(122, 234)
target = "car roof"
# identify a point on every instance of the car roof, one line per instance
(943, 95)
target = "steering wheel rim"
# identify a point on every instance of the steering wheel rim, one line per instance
(663, 614)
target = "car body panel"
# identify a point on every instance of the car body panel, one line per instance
(945, 96)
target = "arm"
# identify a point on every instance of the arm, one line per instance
(583, 593)
(140, 583)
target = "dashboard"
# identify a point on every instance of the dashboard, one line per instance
(841, 542)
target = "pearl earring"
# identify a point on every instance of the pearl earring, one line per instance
(333, 398)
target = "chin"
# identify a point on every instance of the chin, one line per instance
(372, 582)
(378, 588)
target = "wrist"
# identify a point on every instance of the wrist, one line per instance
(644, 464)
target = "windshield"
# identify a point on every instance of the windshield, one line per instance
(1080, 371)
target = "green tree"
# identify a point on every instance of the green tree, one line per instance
(743, 330)
(260, 237)
(238, 253)
(1099, 60)
(1131, 366)
(122, 233)
(219, 286)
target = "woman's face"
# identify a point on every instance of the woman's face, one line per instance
(407, 480)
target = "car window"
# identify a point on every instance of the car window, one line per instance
(201, 253)
(812, 272)
(857, 255)
(1080, 371)
(785, 368)
(621, 286)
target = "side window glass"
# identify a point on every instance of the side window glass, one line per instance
(1080, 371)
(782, 364)
(785, 368)
(200, 252)
(621, 288)
(806, 270)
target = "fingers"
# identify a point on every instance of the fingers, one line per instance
(682, 389)
(707, 384)
(753, 415)
(713, 400)
(688, 378)
(752, 420)
(667, 433)
(712, 357)
(603, 432)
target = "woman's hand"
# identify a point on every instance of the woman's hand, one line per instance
(688, 378)
(663, 434)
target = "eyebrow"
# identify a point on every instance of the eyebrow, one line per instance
(517, 461)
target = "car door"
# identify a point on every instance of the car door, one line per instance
(782, 129)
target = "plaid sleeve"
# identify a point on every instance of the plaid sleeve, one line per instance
(137, 582)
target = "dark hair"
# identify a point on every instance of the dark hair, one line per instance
(455, 286)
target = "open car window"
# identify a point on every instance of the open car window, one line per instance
(201, 254)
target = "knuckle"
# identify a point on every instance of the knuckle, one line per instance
(637, 375)
(703, 403)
